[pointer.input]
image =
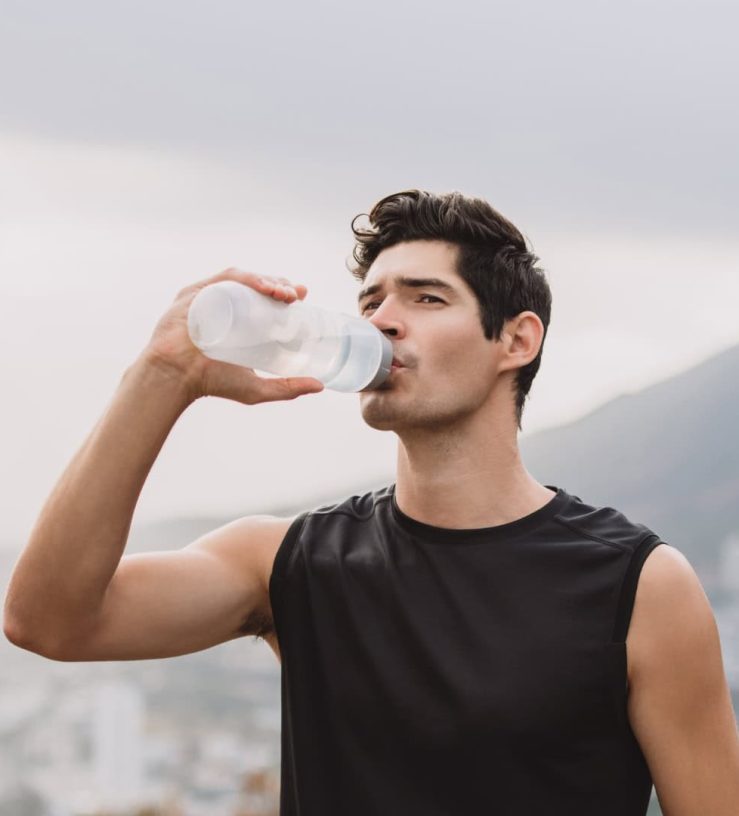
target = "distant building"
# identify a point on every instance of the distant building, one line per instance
(118, 746)
(729, 564)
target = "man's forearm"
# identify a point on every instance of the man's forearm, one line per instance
(60, 579)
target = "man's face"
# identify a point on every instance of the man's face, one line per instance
(449, 367)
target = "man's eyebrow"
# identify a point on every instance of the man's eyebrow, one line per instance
(405, 282)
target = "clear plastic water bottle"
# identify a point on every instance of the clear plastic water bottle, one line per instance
(231, 322)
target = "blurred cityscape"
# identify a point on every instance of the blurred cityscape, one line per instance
(194, 735)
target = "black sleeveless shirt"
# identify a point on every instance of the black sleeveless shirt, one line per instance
(445, 672)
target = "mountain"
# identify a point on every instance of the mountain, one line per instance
(666, 456)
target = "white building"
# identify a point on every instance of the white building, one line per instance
(118, 745)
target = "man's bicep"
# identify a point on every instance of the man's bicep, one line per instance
(164, 604)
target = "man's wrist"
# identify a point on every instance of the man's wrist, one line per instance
(152, 372)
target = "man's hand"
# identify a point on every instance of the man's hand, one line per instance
(172, 351)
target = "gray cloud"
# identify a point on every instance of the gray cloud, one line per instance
(578, 113)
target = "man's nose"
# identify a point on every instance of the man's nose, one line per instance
(388, 320)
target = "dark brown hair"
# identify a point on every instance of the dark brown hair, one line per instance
(493, 259)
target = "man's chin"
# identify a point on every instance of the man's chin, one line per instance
(377, 411)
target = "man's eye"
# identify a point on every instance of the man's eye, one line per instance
(375, 302)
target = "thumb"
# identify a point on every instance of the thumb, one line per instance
(285, 388)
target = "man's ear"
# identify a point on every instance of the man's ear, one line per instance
(522, 337)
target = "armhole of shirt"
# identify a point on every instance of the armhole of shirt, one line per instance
(629, 585)
(279, 567)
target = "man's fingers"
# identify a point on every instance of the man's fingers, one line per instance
(286, 290)
(279, 288)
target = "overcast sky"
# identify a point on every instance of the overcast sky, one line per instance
(144, 146)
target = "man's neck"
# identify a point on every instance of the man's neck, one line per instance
(460, 481)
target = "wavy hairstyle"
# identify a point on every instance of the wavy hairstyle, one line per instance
(493, 259)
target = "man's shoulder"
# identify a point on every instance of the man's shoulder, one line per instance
(360, 506)
(605, 523)
(669, 600)
(313, 527)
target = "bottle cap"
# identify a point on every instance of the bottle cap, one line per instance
(386, 362)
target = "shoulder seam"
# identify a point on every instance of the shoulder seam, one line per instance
(576, 529)
(333, 509)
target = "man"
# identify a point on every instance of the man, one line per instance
(455, 643)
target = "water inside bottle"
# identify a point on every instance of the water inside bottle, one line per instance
(345, 362)
(319, 357)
